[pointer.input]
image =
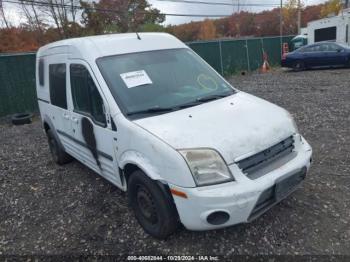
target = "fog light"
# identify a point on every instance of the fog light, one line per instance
(218, 218)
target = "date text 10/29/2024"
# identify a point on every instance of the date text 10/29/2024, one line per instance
(173, 258)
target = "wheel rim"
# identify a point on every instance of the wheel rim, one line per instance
(298, 65)
(146, 205)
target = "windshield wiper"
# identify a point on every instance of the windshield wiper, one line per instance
(198, 101)
(155, 109)
(213, 97)
(189, 104)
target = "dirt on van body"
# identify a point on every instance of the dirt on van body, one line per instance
(46, 209)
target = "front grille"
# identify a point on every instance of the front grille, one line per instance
(267, 156)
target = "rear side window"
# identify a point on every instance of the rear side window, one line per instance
(307, 49)
(41, 72)
(333, 47)
(57, 75)
(86, 98)
(317, 48)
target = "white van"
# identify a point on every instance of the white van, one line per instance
(148, 114)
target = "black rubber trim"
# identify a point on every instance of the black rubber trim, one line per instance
(267, 198)
(84, 145)
(263, 158)
(21, 118)
(43, 100)
(90, 117)
(218, 218)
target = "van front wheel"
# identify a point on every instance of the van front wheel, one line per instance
(58, 154)
(155, 211)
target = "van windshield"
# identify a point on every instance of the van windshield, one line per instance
(161, 81)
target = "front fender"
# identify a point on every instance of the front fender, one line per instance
(141, 161)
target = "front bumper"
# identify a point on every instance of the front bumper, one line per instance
(286, 63)
(241, 198)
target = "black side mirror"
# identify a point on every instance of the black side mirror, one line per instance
(339, 50)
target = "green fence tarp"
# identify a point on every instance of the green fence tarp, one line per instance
(230, 56)
(17, 84)
(209, 51)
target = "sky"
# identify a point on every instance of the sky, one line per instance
(246, 5)
(15, 16)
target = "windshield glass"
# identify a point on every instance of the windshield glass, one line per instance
(160, 81)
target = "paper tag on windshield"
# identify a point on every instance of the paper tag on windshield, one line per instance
(136, 78)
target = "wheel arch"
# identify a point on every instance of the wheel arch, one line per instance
(132, 166)
(48, 125)
(131, 161)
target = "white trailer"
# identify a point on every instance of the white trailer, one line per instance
(334, 28)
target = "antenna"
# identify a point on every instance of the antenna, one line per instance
(138, 36)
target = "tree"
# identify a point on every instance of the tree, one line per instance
(290, 14)
(108, 16)
(332, 7)
(242, 24)
(63, 14)
(34, 21)
(150, 27)
(207, 30)
(268, 23)
(52, 21)
(185, 32)
(17, 39)
(222, 27)
(311, 13)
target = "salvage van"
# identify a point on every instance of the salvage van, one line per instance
(149, 115)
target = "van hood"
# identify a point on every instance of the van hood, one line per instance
(236, 126)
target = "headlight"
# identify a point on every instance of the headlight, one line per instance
(207, 166)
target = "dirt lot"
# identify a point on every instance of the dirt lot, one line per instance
(48, 209)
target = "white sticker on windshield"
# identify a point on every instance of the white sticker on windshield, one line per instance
(136, 78)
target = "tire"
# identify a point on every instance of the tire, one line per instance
(21, 119)
(57, 152)
(348, 63)
(298, 66)
(153, 208)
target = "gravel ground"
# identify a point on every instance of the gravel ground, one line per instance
(50, 209)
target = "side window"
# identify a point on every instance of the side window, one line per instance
(41, 72)
(317, 48)
(324, 47)
(86, 98)
(308, 49)
(57, 76)
(333, 47)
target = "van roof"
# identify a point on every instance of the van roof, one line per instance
(92, 47)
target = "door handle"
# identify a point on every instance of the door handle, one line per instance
(66, 116)
(74, 119)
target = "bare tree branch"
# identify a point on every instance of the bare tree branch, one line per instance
(3, 16)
